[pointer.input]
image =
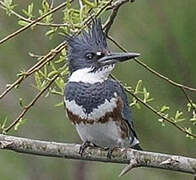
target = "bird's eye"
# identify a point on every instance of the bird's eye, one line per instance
(90, 56)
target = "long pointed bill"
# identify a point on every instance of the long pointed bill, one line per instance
(114, 58)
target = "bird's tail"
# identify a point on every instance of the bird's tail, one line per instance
(137, 147)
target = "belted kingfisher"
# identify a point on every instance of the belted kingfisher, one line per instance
(96, 104)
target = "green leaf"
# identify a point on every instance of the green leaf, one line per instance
(64, 52)
(189, 130)
(8, 85)
(45, 5)
(45, 70)
(22, 23)
(38, 81)
(134, 101)
(193, 119)
(53, 66)
(44, 83)
(59, 104)
(51, 32)
(178, 117)
(164, 108)
(178, 114)
(42, 74)
(8, 2)
(162, 121)
(59, 93)
(4, 123)
(21, 73)
(9, 6)
(30, 8)
(189, 106)
(138, 86)
(46, 8)
(65, 72)
(60, 83)
(29, 11)
(61, 59)
(41, 13)
(19, 123)
(21, 102)
(138, 105)
(52, 73)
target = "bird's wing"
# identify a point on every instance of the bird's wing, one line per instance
(126, 112)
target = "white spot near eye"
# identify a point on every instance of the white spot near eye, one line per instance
(98, 53)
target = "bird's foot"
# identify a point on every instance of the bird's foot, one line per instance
(110, 151)
(84, 146)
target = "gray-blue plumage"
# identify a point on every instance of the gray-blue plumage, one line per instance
(90, 96)
(89, 41)
(96, 104)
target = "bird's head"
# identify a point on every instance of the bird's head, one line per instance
(89, 51)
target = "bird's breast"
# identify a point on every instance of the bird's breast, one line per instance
(103, 126)
(107, 134)
(98, 103)
(96, 111)
(100, 112)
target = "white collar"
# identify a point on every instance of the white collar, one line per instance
(87, 76)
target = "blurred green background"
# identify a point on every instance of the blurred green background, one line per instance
(164, 32)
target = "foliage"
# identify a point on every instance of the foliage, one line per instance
(73, 22)
(72, 18)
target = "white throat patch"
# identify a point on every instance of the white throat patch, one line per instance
(85, 75)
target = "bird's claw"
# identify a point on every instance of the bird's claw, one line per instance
(110, 150)
(84, 146)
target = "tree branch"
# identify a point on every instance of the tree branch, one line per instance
(115, 7)
(122, 156)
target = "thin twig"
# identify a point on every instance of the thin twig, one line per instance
(32, 23)
(152, 70)
(26, 108)
(118, 3)
(111, 18)
(30, 20)
(115, 7)
(188, 99)
(119, 155)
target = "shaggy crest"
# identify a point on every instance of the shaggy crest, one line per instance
(93, 39)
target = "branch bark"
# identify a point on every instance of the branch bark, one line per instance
(122, 156)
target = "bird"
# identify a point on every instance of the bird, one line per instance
(95, 103)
